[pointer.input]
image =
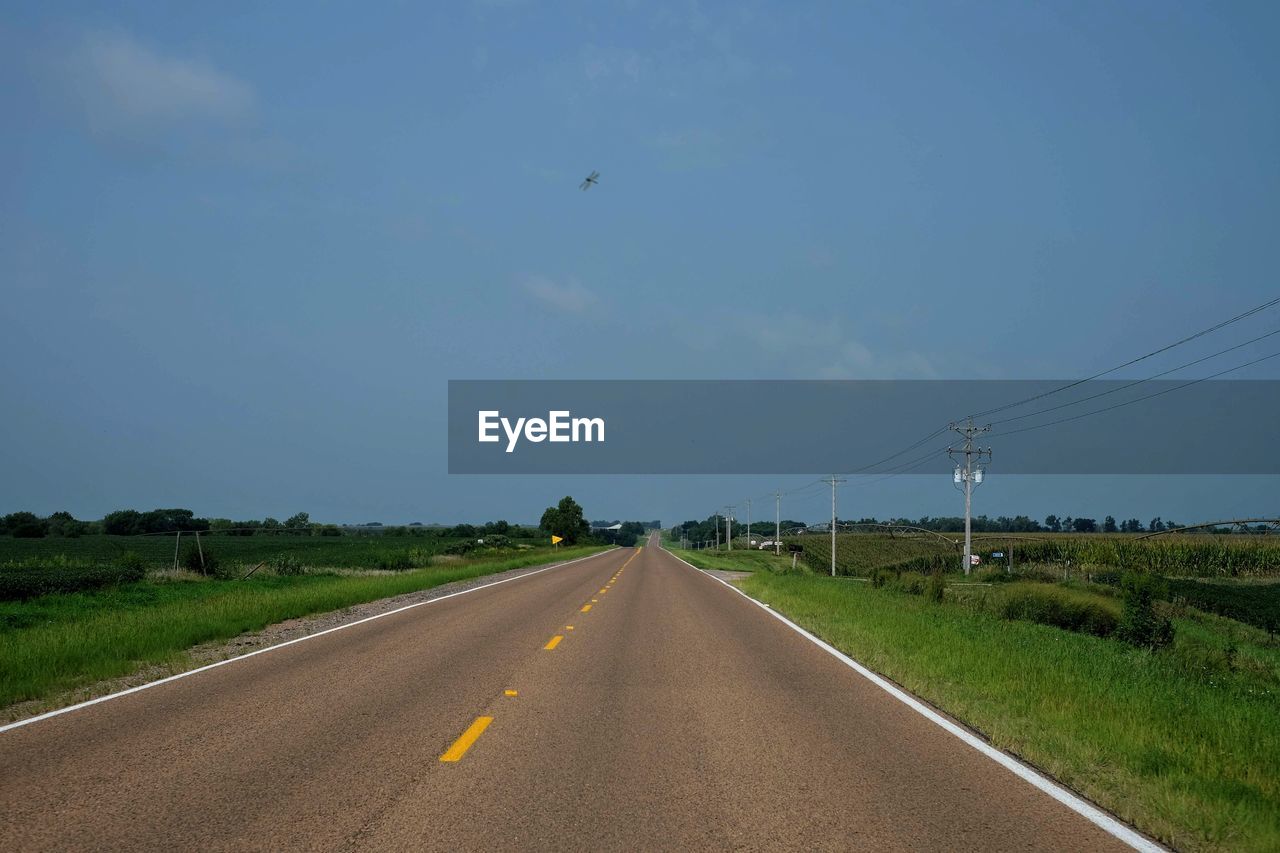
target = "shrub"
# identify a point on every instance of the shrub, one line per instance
(197, 558)
(880, 577)
(1070, 610)
(459, 548)
(1140, 625)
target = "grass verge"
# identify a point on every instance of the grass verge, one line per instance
(61, 642)
(734, 561)
(1189, 754)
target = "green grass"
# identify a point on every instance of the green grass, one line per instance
(1185, 744)
(734, 561)
(61, 642)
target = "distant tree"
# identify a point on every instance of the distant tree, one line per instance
(1109, 525)
(1156, 525)
(65, 524)
(270, 523)
(299, 521)
(1068, 524)
(1084, 525)
(1053, 523)
(25, 525)
(566, 520)
(1132, 525)
(122, 522)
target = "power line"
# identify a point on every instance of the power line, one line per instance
(1137, 382)
(1140, 399)
(1264, 306)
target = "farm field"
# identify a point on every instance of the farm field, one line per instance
(156, 552)
(1178, 555)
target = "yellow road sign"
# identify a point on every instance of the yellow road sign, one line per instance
(556, 539)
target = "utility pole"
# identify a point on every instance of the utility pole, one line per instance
(777, 523)
(717, 531)
(833, 482)
(728, 526)
(969, 473)
(749, 524)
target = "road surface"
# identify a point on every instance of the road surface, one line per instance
(674, 714)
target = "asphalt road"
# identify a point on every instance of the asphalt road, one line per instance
(674, 714)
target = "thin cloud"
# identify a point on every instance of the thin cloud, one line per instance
(570, 296)
(121, 84)
(815, 346)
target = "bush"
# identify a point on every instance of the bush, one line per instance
(197, 558)
(880, 577)
(1140, 625)
(23, 582)
(1070, 610)
(466, 546)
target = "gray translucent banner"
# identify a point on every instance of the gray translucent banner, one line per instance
(860, 426)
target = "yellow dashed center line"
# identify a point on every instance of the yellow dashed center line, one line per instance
(585, 608)
(509, 693)
(462, 744)
(553, 642)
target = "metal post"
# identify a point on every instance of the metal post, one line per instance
(748, 524)
(203, 571)
(728, 526)
(176, 540)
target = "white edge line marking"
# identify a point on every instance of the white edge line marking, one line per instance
(1082, 807)
(59, 711)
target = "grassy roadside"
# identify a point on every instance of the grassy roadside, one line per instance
(61, 642)
(1191, 761)
(1190, 754)
(734, 561)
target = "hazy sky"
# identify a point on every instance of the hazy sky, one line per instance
(244, 247)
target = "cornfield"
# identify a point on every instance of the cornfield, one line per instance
(1186, 556)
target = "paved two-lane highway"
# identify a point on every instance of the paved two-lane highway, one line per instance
(623, 702)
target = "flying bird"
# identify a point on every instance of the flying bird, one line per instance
(592, 180)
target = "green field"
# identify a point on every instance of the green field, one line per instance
(1184, 742)
(859, 554)
(60, 642)
(157, 552)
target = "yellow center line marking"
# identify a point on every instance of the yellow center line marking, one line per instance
(553, 642)
(568, 627)
(462, 744)
(595, 601)
(509, 693)
(585, 608)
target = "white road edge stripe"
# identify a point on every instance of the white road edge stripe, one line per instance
(1069, 799)
(67, 710)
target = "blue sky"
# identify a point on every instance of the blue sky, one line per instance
(243, 248)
